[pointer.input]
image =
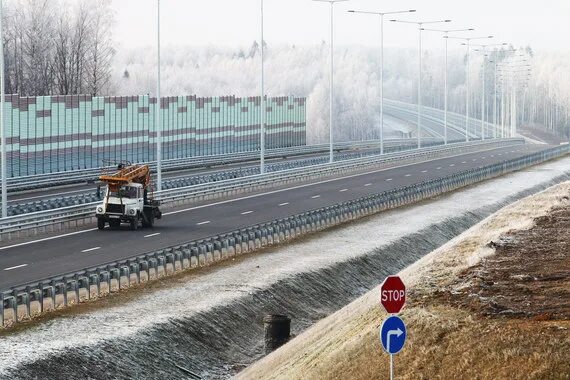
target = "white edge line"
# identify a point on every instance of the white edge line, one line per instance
(46, 239)
(16, 267)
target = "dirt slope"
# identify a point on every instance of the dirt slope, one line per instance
(493, 303)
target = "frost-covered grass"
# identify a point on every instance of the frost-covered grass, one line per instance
(444, 342)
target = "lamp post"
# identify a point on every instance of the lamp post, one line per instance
(446, 35)
(382, 14)
(483, 48)
(331, 140)
(157, 116)
(468, 43)
(263, 106)
(495, 100)
(420, 24)
(3, 124)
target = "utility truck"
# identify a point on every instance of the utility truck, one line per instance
(128, 198)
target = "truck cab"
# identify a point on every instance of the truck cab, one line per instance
(127, 201)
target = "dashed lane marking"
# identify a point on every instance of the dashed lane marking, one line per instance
(151, 235)
(16, 267)
(246, 212)
(91, 249)
(202, 223)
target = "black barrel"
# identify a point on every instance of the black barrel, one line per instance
(277, 331)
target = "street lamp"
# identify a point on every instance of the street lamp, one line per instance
(495, 115)
(382, 14)
(420, 24)
(446, 34)
(332, 3)
(468, 39)
(263, 106)
(483, 49)
(157, 116)
(3, 125)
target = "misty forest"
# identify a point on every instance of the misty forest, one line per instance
(62, 48)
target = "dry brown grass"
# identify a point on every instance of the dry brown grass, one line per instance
(444, 341)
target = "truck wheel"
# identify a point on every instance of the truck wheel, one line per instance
(100, 223)
(114, 224)
(147, 218)
(134, 224)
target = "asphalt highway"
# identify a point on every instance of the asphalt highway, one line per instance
(83, 188)
(37, 259)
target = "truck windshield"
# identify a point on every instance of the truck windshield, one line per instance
(125, 192)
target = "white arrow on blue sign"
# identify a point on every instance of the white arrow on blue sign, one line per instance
(393, 334)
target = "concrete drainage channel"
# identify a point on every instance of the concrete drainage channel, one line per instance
(23, 302)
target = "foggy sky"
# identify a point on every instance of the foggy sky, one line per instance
(544, 25)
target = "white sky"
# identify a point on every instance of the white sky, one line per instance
(545, 25)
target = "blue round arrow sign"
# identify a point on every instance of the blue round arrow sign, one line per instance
(393, 334)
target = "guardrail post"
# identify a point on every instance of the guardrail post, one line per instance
(1, 310)
(15, 305)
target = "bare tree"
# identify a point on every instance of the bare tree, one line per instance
(101, 50)
(57, 46)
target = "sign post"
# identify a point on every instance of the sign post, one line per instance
(393, 329)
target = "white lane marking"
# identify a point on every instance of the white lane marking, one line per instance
(16, 267)
(151, 235)
(464, 162)
(91, 249)
(246, 212)
(451, 165)
(202, 223)
(315, 196)
(483, 157)
(499, 154)
(408, 175)
(253, 196)
(283, 204)
(46, 239)
(343, 190)
(424, 171)
(474, 159)
(438, 168)
(389, 179)
(368, 184)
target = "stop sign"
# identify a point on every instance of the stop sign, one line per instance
(393, 294)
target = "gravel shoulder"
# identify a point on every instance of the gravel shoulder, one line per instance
(494, 303)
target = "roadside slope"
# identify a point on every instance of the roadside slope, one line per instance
(462, 322)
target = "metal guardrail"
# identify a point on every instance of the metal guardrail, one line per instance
(71, 288)
(91, 175)
(57, 219)
(88, 196)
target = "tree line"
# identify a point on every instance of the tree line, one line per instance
(57, 47)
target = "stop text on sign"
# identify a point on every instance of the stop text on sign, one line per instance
(393, 294)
